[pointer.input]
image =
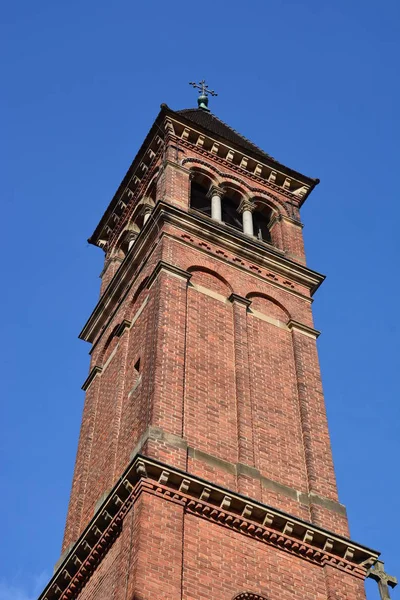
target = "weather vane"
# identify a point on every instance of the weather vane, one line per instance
(202, 100)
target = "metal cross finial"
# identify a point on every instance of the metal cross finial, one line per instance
(203, 87)
(377, 572)
(202, 100)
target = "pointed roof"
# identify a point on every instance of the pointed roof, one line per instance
(206, 119)
(214, 125)
(218, 129)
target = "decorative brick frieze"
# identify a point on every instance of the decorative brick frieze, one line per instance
(207, 501)
(242, 170)
(113, 227)
(230, 177)
(249, 596)
(233, 241)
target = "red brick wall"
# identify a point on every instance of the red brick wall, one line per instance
(187, 337)
(277, 433)
(164, 552)
(210, 394)
(225, 391)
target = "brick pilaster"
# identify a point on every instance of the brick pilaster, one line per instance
(317, 448)
(166, 397)
(243, 395)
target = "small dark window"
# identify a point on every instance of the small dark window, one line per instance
(137, 366)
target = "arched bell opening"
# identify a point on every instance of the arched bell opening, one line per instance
(262, 217)
(231, 201)
(127, 238)
(199, 193)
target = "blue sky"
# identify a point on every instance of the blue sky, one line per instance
(313, 83)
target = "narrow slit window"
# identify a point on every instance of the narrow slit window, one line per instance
(137, 366)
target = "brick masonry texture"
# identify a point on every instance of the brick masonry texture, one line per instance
(207, 376)
(164, 552)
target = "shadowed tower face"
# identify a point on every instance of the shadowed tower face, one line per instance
(204, 467)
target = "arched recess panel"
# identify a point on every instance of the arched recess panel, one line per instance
(268, 307)
(210, 396)
(278, 442)
(138, 297)
(210, 280)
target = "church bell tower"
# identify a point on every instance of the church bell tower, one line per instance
(204, 468)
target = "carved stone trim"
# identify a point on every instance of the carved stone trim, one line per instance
(204, 500)
(246, 205)
(256, 174)
(132, 199)
(224, 175)
(164, 266)
(125, 324)
(95, 371)
(203, 290)
(280, 217)
(249, 596)
(243, 247)
(304, 329)
(215, 191)
(239, 300)
(268, 319)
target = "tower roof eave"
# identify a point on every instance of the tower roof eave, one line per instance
(218, 129)
(155, 128)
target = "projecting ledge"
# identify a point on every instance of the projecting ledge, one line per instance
(200, 497)
(304, 329)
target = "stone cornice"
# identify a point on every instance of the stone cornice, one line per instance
(95, 371)
(130, 189)
(281, 217)
(206, 500)
(304, 329)
(258, 252)
(172, 269)
(134, 199)
(235, 298)
(230, 239)
(125, 324)
(257, 157)
(121, 282)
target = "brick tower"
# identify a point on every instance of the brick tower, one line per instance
(204, 468)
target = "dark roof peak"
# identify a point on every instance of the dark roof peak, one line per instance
(214, 124)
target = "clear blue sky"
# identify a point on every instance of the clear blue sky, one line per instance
(316, 85)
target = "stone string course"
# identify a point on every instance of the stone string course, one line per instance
(207, 501)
